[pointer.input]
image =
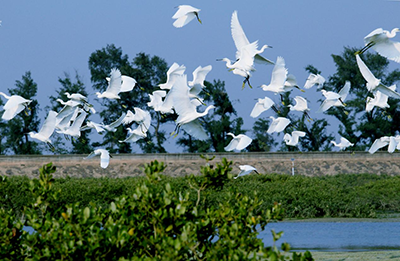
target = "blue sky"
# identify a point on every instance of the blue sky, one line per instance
(49, 38)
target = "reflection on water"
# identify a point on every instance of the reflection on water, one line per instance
(336, 236)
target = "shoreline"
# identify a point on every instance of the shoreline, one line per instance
(341, 220)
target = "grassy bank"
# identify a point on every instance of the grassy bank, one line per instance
(350, 196)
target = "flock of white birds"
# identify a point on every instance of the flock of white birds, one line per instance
(180, 96)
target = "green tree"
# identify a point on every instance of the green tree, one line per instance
(357, 125)
(262, 141)
(80, 145)
(217, 123)
(148, 72)
(17, 129)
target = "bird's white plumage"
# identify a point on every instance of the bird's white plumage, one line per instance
(199, 76)
(14, 105)
(379, 40)
(114, 125)
(114, 86)
(293, 139)
(239, 142)
(240, 40)
(380, 100)
(301, 104)
(333, 98)
(261, 106)
(278, 124)
(278, 78)
(374, 84)
(184, 15)
(314, 79)
(344, 143)
(245, 170)
(174, 70)
(104, 157)
(47, 129)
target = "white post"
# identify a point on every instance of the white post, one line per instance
(292, 166)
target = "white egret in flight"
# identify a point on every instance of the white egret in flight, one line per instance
(278, 124)
(278, 77)
(334, 99)
(243, 66)
(293, 139)
(380, 100)
(246, 169)
(184, 15)
(344, 143)
(183, 106)
(47, 129)
(135, 135)
(374, 84)
(379, 40)
(174, 70)
(239, 142)
(301, 106)
(240, 39)
(392, 141)
(104, 157)
(114, 86)
(199, 76)
(261, 106)
(14, 105)
(314, 79)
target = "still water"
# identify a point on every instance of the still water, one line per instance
(332, 236)
(336, 236)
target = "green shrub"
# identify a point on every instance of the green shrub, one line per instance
(154, 222)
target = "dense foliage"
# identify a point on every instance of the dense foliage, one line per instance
(151, 219)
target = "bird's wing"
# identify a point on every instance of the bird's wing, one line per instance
(310, 81)
(392, 144)
(184, 10)
(375, 32)
(129, 118)
(48, 125)
(387, 91)
(301, 102)
(77, 124)
(114, 85)
(345, 91)
(195, 130)
(14, 101)
(261, 59)
(128, 83)
(199, 75)
(279, 73)
(104, 158)
(91, 155)
(345, 142)
(184, 20)
(238, 35)
(244, 141)
(12, 112)
(135, 135)
(257, 110)
(379, 143)
(273, 125)
(326, 105)
(388, 49)
(282, 124)
(364, 70)
(180, 97)
(232, 144)
(118, 122)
